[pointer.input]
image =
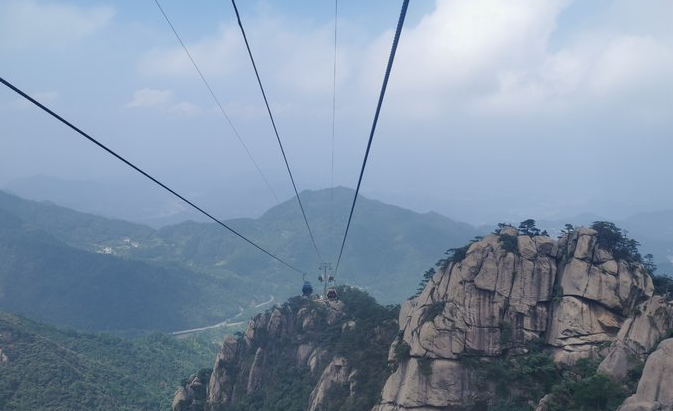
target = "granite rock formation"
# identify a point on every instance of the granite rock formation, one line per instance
(508, 290)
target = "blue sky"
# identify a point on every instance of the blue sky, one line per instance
(489, 102)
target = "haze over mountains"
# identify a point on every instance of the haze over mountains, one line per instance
(244, 196)
(553, 110)
(81, 270)
(98, 273)
(76, 269)
(142, 203)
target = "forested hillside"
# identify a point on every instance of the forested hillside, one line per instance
(45, 368)
(85, 271)
(48, 280)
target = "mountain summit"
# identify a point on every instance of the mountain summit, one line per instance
(507, 291)
(513, 321)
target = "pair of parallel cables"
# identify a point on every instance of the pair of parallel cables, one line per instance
(202, 211)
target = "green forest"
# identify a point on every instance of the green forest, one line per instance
(45, 368)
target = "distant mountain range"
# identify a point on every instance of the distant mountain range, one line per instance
(45, 278)
(141, 202)
(81, 270)
(77, 269)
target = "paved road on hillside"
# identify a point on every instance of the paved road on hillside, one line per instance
(225, 323)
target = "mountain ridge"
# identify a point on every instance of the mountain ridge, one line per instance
(513, 321)
(387, 246)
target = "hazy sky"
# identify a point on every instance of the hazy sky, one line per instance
(517, 108)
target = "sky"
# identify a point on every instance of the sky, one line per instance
(495, 111)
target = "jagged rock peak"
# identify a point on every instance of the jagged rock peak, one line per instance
(499, 294)
(293, 321)
(307, 354)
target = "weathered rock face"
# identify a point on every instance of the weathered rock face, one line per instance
(191, 396)
(224, 376)
(638, 336)
(595, 293)
(655, 389)
(336, 372)
(232, 371)
(298, 347)
(490, 301)
(508, 290)
(256, 371)
(447, 385)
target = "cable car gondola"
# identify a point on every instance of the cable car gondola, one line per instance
(332, 294)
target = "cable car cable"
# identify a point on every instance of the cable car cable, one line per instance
(138, 169)
(334, 74)
(217, 101)
(275, 129)
(389, 67)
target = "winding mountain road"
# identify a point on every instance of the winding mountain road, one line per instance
(225, 323)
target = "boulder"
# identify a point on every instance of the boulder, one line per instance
(337, 372)
(179, 398)
(445, 385)
(187, 398)
(638, 336)
(221, 384)
(527, 247)
(655, 388)
(256, 371)
(585, 241)
(577, 321)
(316, 360)
(304, 352)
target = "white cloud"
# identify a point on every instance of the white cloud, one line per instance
(542, 86)
(150, 98)
(31, 23)
(491, 59)
(464, 43)
(597, 70)
(464, 51)
(242, 111)
(631, 62)
(477, 55)
(163, 100)
(41, 96)
(214, 56)
(184, 108)
(289, 55)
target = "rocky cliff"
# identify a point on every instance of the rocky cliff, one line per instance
(655, 389)
(495, 299)
(651, 322)
(644, 343)
(304, 355)
(514, 321)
